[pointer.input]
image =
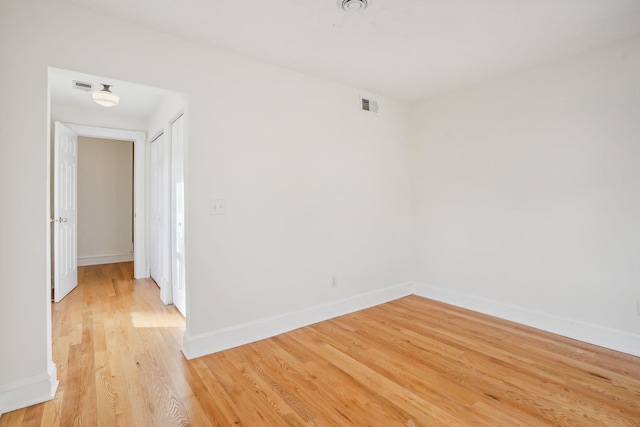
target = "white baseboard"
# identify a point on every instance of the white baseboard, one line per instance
(28, 391)
(613, 339)
(201, 345)
(104, 259)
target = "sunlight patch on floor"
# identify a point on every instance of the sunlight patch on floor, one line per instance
(151, 319)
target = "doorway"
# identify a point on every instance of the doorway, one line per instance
(64, 191)
(105, 201)
(144, 108)
(139, 187)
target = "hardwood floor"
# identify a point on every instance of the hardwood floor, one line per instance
(411, 362)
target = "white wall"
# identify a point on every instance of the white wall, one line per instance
(105, 197)
(527, 189)
(314, 187)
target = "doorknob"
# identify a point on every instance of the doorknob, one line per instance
(58, 219)
(53, 220)
(62, 219)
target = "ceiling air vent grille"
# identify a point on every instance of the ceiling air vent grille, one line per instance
(82, 86)
(369, 105)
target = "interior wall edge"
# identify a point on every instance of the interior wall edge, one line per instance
(29, 391)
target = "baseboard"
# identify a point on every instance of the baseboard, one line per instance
(28, 391)
(104, 259)
(613, 339)
(201, 345)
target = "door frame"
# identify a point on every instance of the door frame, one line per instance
(140, 265)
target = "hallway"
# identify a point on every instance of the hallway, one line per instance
(102, 331)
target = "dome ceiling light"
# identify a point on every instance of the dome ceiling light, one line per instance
(352, 6)
(105, 97)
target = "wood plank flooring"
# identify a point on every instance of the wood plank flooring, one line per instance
(411, 362)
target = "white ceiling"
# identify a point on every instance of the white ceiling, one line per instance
(406, 49)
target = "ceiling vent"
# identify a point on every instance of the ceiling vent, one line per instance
(369, 105)
(82, 86)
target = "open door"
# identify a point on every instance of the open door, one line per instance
(65, 211)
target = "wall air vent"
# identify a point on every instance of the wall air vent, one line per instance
(82, 86)
(369, 105)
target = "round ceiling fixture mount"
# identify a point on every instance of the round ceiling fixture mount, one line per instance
(353, 5)
(105, 97)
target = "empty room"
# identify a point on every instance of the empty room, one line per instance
(396, 212)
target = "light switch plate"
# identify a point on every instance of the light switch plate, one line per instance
(216, 207)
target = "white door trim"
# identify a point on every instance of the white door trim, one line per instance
(141, 268)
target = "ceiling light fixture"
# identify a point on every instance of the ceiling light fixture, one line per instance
(353, 5)
(105, 97)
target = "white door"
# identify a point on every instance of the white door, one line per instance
(65, 211)
(177, 222)
(159, 216)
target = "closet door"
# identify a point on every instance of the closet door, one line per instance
(177, 214)
(159, 239)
